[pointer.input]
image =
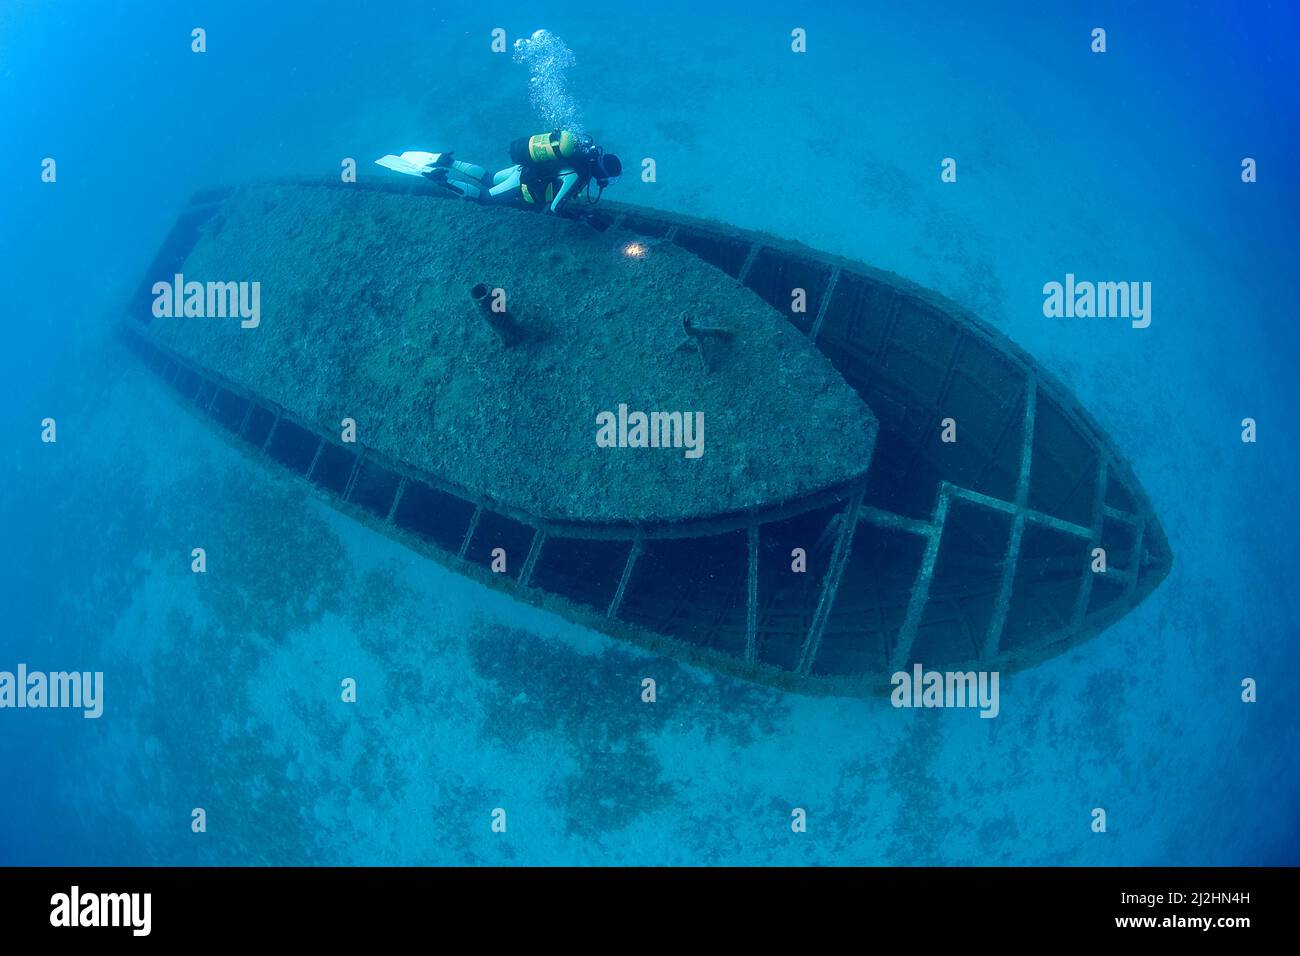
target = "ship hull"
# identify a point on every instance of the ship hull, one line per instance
(973, 555)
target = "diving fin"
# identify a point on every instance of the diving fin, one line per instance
(414, 162)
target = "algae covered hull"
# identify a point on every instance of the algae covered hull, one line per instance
(365, 312)
(822, 424)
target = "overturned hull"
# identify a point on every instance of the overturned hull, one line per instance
(970, 555)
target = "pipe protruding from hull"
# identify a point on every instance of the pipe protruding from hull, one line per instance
(502, 322)
(702, 339)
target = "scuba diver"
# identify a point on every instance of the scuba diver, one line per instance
(549, 170)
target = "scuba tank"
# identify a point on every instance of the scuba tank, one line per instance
(557, 146)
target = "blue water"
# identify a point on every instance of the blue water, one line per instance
(222, 689)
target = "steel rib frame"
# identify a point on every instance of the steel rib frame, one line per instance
(358, 459)
(616, 602)
(397, 499)
(917, 453)
(1084, 594)
(469, 532)
(920, 593)
(320, 447)
(530, 562)
(831, 584)
(1135, 562)
(1011, 560)
(825, 302)
(754, 249)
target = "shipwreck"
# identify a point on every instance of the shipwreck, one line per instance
(437, 369)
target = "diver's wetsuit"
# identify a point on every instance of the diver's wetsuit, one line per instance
(554, 185)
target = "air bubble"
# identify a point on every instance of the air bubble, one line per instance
(548, 60)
